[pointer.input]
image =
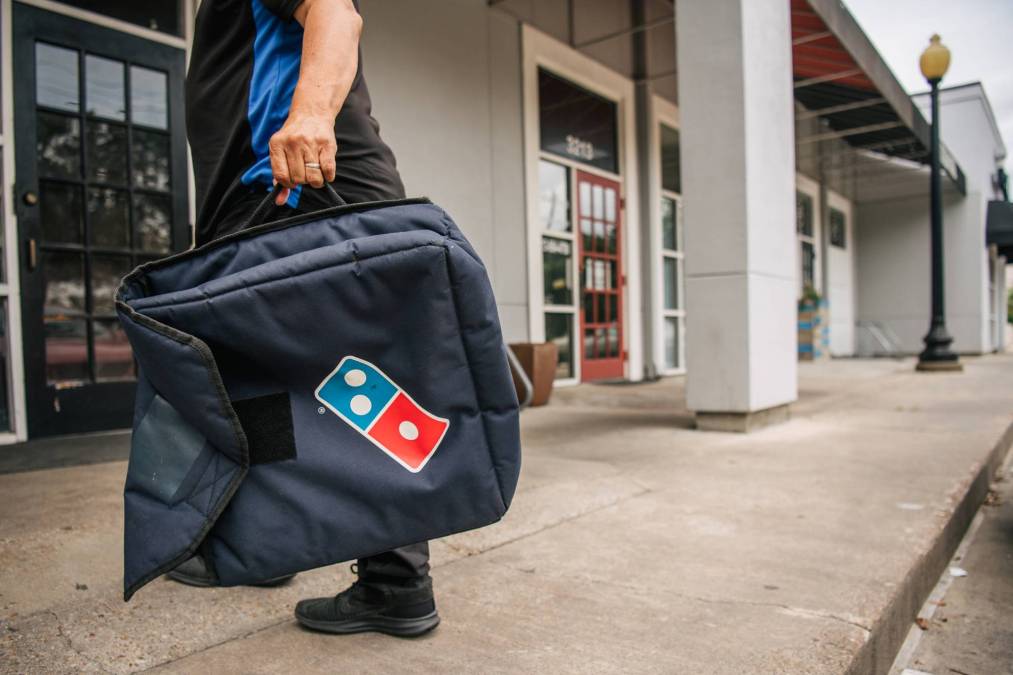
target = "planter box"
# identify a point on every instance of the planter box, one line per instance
(539, 362)
(813, 331)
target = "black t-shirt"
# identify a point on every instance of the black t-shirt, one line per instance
(243, 70)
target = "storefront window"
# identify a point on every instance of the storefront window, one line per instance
(556, 266)
(165, 16)
(808, 265)
(554, 196)
(673, 315)
(559, 329)
(838, 228)
(577, 124)
(804, 214)
(56, 81)
(669, 225)
(671, 170)
(806, 238)
(672, 331)
(5, 406)
(671, 274)
(558, 244)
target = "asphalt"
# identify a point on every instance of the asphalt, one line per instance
(966, 627)
(634, 543)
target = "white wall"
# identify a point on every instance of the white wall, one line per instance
(445, 83)
(894, 274)
(969, 131)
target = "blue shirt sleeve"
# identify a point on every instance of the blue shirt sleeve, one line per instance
(283, 9)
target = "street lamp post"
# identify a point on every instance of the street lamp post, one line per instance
(937, 354)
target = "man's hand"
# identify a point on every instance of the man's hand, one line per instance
(303, 150)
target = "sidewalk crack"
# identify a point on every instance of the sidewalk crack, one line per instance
(70, 643)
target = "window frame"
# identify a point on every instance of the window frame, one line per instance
(568, 236)
(679, 314)
(811, 189)
(843, 245)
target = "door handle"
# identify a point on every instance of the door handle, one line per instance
(33, 254)
(30, 198)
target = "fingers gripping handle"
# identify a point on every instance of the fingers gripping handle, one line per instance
(265, 205)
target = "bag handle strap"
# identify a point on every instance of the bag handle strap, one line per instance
(265, 205)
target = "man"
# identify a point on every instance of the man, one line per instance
(275, 95)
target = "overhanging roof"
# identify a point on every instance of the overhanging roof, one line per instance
(840, 77)
(999, 227)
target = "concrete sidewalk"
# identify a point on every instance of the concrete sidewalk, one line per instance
(634, 544)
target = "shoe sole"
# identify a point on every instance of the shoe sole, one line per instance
(204, 582)
(377, 624)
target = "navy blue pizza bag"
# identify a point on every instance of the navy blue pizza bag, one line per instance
(314, 390)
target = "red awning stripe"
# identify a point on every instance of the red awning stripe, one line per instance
(823, 56)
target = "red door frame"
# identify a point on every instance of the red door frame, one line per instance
(610, 363)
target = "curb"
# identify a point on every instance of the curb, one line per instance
(889, 632)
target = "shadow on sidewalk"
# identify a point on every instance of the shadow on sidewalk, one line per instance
(63, 451)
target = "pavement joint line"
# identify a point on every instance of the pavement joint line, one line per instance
(880, 650)
(289, 619)
(928, 610)
(234, 638)
(552, 526)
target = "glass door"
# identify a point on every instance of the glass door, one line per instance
(601, 277)
(101, 187)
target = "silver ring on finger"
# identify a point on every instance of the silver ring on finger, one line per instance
(312, 165)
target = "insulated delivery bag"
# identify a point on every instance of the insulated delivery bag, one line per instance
(313, 390)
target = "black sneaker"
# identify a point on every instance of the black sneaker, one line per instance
(196, 572)
(404, 610)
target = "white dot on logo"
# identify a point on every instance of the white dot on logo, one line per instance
(408, 431)
(360, 404)
(355, 378)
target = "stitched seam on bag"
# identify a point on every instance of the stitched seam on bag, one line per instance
(218, 475)
(240, 473)
(214, 482)
(454, 234)
(355, 261)
(471, 378)
(253, 232)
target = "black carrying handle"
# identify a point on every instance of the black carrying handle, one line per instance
(265, 205)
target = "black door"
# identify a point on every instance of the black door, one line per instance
(101, 186)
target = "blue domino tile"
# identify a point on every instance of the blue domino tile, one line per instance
(358, 391)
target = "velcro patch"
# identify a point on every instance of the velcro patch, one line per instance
(267, 422)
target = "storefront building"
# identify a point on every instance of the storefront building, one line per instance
(649, 220)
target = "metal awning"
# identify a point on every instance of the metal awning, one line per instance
(841, 78)
(999, 227)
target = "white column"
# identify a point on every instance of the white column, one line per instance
(738, 177)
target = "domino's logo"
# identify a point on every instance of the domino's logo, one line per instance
(363, 396)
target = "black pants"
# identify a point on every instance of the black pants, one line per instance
(403, 564)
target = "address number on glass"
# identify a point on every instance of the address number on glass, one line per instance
(579, 148)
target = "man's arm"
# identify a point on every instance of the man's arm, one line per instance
(330, 57)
